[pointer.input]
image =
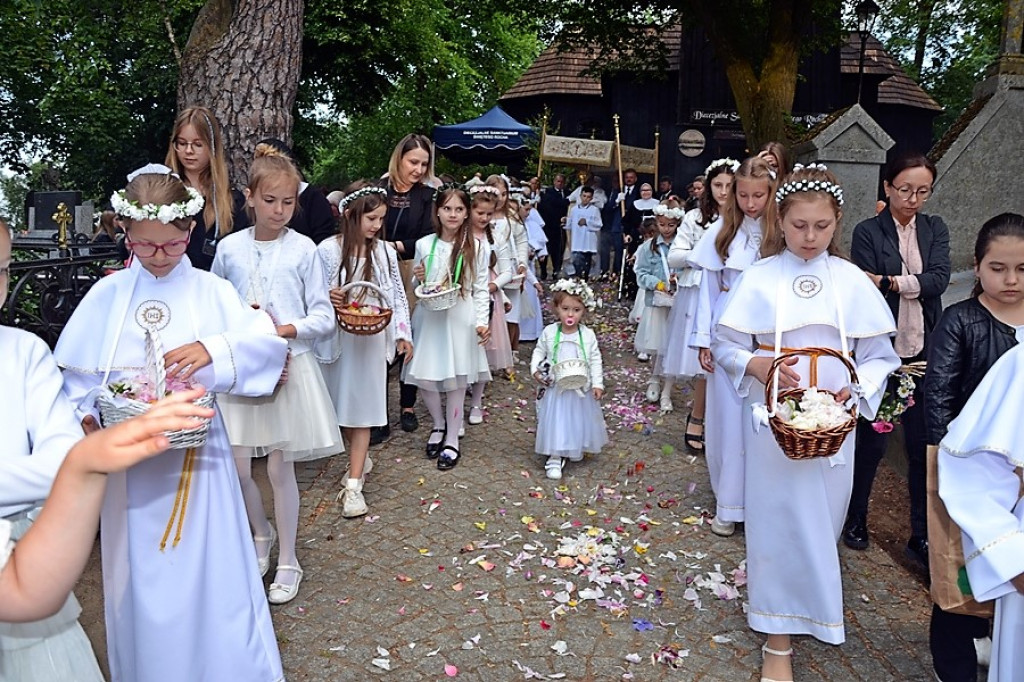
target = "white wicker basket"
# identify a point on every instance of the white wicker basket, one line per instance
(571, 374)
(115, 408)
(438, 300)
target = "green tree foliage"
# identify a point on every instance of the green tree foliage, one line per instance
(87, 86)
(90, 87)
(946, 45)
(436, 63)
(759, 43)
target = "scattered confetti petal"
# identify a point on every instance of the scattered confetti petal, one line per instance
(450, 670)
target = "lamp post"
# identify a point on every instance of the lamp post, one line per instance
(867, 12)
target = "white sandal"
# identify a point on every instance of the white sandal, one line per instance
(774, 652)
(264, 561)
(279, 593)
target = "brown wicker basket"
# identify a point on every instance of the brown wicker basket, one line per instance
(802, 443)
(364, 325)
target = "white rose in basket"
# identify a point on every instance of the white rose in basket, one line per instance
(816, 410)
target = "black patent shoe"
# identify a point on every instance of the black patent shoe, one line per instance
(379, 434)
(855, 534)
(448, 458)
(917, 552)
(434, 449)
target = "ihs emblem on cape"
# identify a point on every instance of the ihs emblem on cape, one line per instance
(153, 315)
(806, 286)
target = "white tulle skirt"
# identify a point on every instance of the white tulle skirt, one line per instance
(569, 423)
(677, 359)
(650, 333)
(298, 418)
(531, 318)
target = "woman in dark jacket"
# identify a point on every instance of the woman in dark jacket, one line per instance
(409, 217)
(906, 255)
(970, 336)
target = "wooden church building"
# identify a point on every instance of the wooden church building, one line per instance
(693, 102)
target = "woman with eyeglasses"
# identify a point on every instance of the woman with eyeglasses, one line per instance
(906, 255)
(196, 154)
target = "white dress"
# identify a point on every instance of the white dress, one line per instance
(569, 423)
(196, 610)
(284, 278)
(723, 442)
(510, 234)
(39, 427)
(795, 509)
(678, 359)
(355, 367)
(531, 317)
(448, 355)
(980, 462)
(650, 269)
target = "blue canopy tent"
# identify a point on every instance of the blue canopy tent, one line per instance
(494, 137)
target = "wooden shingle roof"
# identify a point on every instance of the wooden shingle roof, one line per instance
(560, 73)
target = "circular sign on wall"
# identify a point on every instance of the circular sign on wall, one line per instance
(691, 143)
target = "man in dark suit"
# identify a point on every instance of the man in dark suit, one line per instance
(630, 227)
(665, 187)
(554, 204)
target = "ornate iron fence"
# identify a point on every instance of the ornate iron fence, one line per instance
(45, 290)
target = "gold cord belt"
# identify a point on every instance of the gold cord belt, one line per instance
(180, 499)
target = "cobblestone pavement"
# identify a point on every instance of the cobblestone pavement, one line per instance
(460, 568)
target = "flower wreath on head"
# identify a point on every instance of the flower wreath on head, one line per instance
(732, 164)
(669, 212)
(165, 213)
(476, 189)
(445, 187)
(794, 186)
(579, 289)
(359, 194)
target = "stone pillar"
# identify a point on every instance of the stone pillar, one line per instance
(853, 146)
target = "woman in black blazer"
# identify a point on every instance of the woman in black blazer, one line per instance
(906, 255)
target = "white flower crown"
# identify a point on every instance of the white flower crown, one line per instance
(476, 189)
(732, 164)
(579, 289)
(792, 187)
(668, 212)
(359, 194)
(165, 213)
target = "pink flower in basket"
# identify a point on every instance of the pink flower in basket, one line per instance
(142, 388)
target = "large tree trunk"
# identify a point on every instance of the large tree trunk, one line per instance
(762, 99)
(243, 61)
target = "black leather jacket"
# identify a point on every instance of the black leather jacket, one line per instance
(964, 344)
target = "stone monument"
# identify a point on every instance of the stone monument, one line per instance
(980, 159)
(853, 146)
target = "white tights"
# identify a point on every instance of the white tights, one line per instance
(448, 419)
(286, 506)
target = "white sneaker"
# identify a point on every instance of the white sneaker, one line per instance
(553, 468)
(653, 391)
(643, 357)
(353, 504)
(367, 468)
(983, 647)
(723, 528)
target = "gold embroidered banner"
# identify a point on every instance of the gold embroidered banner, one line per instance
(641, 159)
(578, 151)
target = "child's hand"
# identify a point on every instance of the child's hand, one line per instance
(339, 298)
(419, 272)
(508, 306)
(541, 379)
(89, 424)
(484, 334)
(598, 393)
(286, 331)
(788, 378)
(405, 349)
(539, 287)
(582, 222)
(184, 361)
(284, 372)
(707, 361)
(125, 444)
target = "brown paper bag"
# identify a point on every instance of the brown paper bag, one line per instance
(950, 587)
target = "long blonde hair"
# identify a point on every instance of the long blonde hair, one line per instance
(754, 168)
(213, 181)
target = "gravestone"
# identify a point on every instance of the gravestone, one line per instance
(44, 214)
(980, 160)
(853, 146)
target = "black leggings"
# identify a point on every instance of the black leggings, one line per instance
(406, 392)
(951, 638)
